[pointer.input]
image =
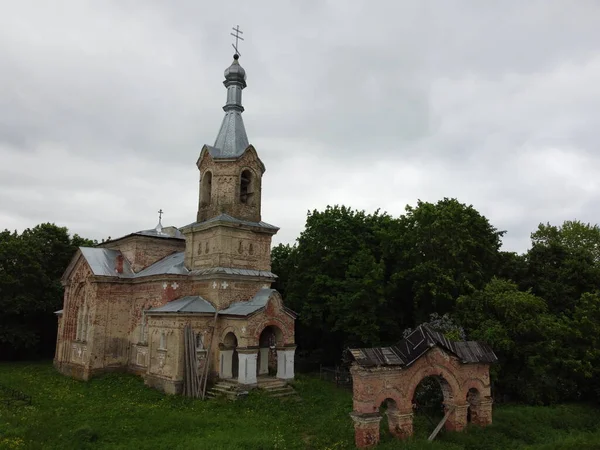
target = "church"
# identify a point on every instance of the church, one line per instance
(128, 301)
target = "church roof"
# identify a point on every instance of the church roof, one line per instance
(172, 264)
(183, 305)
(103, 262)
(161, 232)
(229, 219)
(257, 302)
(158, 232)
(232, 140)
(416, 344)
(233, 271)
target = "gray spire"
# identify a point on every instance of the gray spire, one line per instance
(232, 140)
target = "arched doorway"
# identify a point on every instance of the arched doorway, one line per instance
(387, 427)
(430, 401)
(229, 364)
(473, 401)
(270, 338)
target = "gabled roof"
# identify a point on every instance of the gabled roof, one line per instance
(258, 302)
(184, 305)
(229, 219)
(416, 344)
(103, 262)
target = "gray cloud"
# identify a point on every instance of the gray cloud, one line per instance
(106, 105)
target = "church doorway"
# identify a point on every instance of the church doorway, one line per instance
(229, 357)
(270, 338)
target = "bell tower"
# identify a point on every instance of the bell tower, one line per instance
(230, 170)
(229, 235)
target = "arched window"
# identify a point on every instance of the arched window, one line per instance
(206, 188)
(246, 193)
(162, 345)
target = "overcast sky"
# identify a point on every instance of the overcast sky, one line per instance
(105, 106)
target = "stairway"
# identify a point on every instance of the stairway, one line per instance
(232, 391)
(276, 387)
(225, 388)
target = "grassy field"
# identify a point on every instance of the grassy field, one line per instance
(119, 412)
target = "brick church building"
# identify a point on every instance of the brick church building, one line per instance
(128, 300)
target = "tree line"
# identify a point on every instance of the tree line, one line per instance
(360, 280)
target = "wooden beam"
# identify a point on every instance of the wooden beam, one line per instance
(441, 424)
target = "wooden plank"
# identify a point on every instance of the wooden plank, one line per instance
(208, 355)
(441, 424)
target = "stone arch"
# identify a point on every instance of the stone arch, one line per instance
(448, 382)
(206, 188)
(225, 332)
(476, 383)
(272, 322)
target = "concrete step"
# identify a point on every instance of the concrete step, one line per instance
(226, 386)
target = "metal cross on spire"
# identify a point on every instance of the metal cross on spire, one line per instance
(160, 213)
(237, 36)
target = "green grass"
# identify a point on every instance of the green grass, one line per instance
(118, 412)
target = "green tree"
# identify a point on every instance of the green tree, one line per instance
(31, 265)
(444, 250)
(573, 235)
(560, 274)
(584, 343)
(533, 359)
(336, 280)
(283, 264)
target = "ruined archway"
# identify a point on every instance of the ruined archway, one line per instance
(461, 369)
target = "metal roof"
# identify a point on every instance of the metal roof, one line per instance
(416, 344)
(257, 302)
(229, 219)
(172, 264)
(103, 262)
(233, 271)
(59, 312)
(161, 232)
(232, 140)
(184, 305)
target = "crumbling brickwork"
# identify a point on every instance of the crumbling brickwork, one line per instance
(466, 387)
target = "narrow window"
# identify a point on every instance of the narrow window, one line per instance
(245, 187)
(163, 342)
(206, 189)
(143, 329)
(199, 341)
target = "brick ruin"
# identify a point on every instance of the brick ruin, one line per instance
(389, 376)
